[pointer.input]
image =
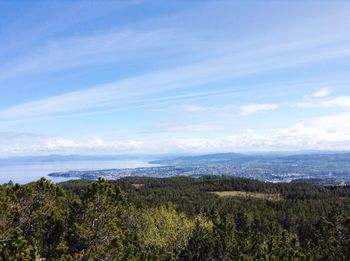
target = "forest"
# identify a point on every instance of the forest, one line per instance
(178, 218)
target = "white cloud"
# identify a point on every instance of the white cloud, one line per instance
(343, 102)
(23, 143)
(194, 108)
(338, 122)
(322, 133)
(322, 93)
(256, 108)
(337, 102)
(171, 127)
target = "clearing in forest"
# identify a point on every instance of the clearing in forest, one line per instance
(244, 194)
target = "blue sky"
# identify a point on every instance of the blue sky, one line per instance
(108, 77)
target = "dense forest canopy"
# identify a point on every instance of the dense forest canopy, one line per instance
(180, 218)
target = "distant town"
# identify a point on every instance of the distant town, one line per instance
(324, 169)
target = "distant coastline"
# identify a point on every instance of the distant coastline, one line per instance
(322, 168)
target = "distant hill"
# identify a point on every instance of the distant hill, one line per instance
(238, 158)
(320, 156)
(207, 159)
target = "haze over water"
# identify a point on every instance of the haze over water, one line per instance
(27, 172)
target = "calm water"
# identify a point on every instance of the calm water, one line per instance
(24, 173)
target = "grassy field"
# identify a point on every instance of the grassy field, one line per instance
(243, 194)
(138, 185)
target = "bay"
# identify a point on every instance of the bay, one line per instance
(23, 173)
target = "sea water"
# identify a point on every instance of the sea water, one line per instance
(27, 172)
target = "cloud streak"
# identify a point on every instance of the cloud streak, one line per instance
(256, 108)
(205, 72)
(89, 50)
(342, 102)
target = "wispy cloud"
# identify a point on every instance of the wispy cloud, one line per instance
(257, 108)
(322, 93)
(68, 53)
(194, 108)
(183, 77)
(202, 127)
(337, 102)
(319, 94)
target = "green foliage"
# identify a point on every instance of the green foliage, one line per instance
(173, 219)
(15, 247)
(95, 230)
(163, 230)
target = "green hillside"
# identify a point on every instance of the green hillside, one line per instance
(180, 218)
